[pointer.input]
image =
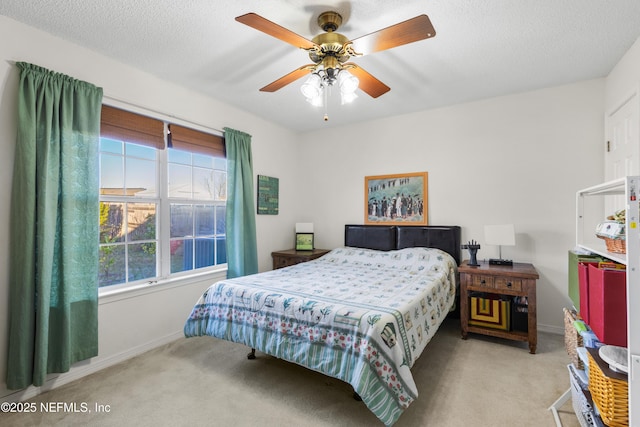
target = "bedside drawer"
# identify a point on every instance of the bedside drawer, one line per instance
(280, 262)
(481, 280)
(507, 283)
(291, 257)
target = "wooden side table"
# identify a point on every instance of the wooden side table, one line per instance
(291, 257)
(517, 280)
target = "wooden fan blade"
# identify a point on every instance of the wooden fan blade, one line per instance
(261, 24)
(368, 83)
(412, 30)
(289, 78)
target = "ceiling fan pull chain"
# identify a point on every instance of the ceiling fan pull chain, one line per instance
(326, 103)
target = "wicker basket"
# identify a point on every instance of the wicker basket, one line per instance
(610, 393)
(572, 338)
(617, 246)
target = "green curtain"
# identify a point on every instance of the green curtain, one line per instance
(53, 311)
(242, 251)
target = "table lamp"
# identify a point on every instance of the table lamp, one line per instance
(501, 235)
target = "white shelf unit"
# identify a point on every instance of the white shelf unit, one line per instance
(590, 212)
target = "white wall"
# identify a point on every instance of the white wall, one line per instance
(624, 79)
(515, 159)
(123, 331)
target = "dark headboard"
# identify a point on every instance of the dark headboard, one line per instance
(445, 237)
(386, 238)
(378, 237)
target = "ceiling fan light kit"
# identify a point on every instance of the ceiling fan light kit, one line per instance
(319, 81)
(330, 51)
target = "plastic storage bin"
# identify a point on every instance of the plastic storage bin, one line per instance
(581, 399)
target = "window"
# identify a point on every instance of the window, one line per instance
(162, 208)
(197, 185)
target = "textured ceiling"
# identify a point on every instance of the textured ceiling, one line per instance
(482, 48)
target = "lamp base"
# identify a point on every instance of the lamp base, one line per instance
(506, 262)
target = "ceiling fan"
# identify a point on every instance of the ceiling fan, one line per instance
(330, 51)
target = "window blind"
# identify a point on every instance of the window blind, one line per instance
(131, 127)
(195, 141)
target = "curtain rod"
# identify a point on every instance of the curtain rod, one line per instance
(168, 116)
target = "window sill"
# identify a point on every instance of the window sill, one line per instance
(106, 296)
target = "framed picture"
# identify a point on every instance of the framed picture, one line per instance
(304, 241)
(267, 195)
(399, 199)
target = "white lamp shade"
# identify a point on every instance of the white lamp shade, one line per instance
(501, 235)
(312, 87)
(304, 227)
(348, 82)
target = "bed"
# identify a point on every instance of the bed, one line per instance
(362, 313)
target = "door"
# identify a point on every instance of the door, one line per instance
(622, 148)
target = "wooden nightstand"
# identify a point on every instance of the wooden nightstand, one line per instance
(291, 256)
(517, 280)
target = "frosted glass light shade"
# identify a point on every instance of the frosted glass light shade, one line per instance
(348, 82)
(312, 88)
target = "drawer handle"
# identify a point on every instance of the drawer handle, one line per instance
(509, 284)
(483, 282)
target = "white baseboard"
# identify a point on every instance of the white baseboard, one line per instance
(88, 367)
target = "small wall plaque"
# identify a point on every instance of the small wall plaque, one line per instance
(267, 195)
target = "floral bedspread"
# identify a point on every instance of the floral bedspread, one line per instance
(359, 315)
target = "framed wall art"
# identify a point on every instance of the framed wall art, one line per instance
(399, 199)
(304, 241)
(267, 195)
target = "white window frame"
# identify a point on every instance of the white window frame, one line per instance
(163, 232)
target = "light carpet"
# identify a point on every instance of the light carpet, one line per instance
(481, 381)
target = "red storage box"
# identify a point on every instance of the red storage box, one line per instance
(583, 284)
(608, 305)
